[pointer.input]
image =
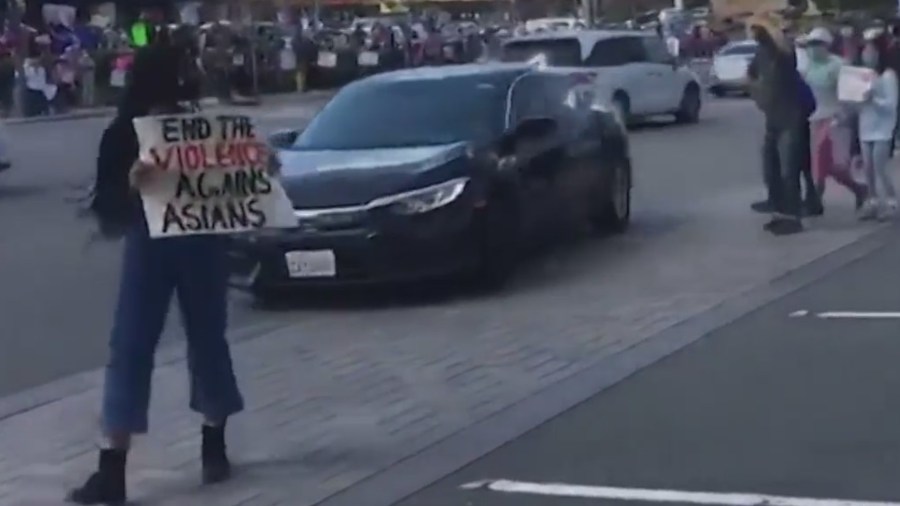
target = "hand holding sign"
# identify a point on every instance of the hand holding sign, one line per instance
(141, 172)
(207, 175)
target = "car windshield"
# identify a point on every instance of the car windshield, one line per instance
(554, 52)
(739, 50)
(399, 113)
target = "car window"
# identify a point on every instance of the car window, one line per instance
(530, 99)
(554, 52)
(656, 50)
(418, 112)
(616, 52)
(739, 50)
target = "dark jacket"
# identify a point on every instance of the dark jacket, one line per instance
(114, 204)
(774, 77)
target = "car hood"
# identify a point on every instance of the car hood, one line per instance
(341, 178)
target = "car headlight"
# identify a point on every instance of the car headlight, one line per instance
(423, 200)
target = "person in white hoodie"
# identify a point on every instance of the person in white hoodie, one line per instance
(877, 120)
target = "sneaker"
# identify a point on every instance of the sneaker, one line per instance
(762, 207)
(107, 485)
(785, 226)
(889, 211)
(868, 211)
(813, 210)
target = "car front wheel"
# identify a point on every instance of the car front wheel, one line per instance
(689, 109)
(613, 211)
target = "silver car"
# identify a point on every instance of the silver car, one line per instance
(729, 68)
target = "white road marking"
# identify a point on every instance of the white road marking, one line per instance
(848, 315)
(666, 496)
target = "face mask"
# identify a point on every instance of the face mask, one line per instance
(817, 52)
(870, 58)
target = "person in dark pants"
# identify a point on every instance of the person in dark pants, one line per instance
(153, 270)
(775, 88)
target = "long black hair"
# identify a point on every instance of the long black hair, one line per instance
(156, 80)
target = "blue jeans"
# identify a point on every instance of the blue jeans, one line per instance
(153, 269)
(783, 164)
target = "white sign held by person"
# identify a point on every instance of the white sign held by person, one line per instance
(854, 83)
(215, 177)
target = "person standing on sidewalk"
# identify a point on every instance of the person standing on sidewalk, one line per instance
(776, 86)
(194, 267)
(830, 140)
(877, 121)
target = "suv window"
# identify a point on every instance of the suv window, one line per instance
(557, 52)
(616, 52)
(657, 52)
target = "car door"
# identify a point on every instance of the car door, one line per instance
(540, 161)
(621, 66)
(665, 77)
(578, 171)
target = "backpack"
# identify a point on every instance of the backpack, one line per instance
(806, 97)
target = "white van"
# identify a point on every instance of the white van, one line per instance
(628, 70)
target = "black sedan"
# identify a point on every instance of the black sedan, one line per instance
(442, 171)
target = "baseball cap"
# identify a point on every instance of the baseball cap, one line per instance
(821, 35)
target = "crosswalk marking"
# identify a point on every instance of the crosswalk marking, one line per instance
(849, 315)
(653, 495)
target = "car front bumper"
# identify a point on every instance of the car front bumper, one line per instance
(392, 249)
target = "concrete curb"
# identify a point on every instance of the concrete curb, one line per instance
(410, 475)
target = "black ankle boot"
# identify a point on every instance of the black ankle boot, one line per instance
(107, 485)
(216, 467)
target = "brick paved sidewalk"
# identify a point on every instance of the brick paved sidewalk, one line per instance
(338, 397)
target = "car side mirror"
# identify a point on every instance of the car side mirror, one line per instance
(283, 139)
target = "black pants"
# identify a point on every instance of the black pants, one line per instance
(783, 164)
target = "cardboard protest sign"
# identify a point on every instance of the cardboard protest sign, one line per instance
(737, 9)
(854, 83)
(215, 178)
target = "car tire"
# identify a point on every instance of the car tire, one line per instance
(718, 91)
(613, 212)
(622, 108)
(499, 244)
(691, 102)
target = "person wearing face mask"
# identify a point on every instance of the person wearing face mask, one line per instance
(829, 142)
(776, 86)
(877, 120)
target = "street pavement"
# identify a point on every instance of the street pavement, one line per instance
(782, 402)
(341, 391)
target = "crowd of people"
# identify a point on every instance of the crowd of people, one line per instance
(812, 135)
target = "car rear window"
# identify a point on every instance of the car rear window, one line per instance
(555, 52)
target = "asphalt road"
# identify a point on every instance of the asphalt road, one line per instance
(56, 293)
(774, 404)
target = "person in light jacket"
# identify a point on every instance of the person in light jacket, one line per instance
(830, 138)
(877, 121)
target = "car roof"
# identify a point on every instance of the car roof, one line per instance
(586, 38)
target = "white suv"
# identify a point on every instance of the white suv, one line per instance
(632, 71)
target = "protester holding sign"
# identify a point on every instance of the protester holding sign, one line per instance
(877, 121)
(152, 271)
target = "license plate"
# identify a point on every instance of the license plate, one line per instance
(311, 264)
